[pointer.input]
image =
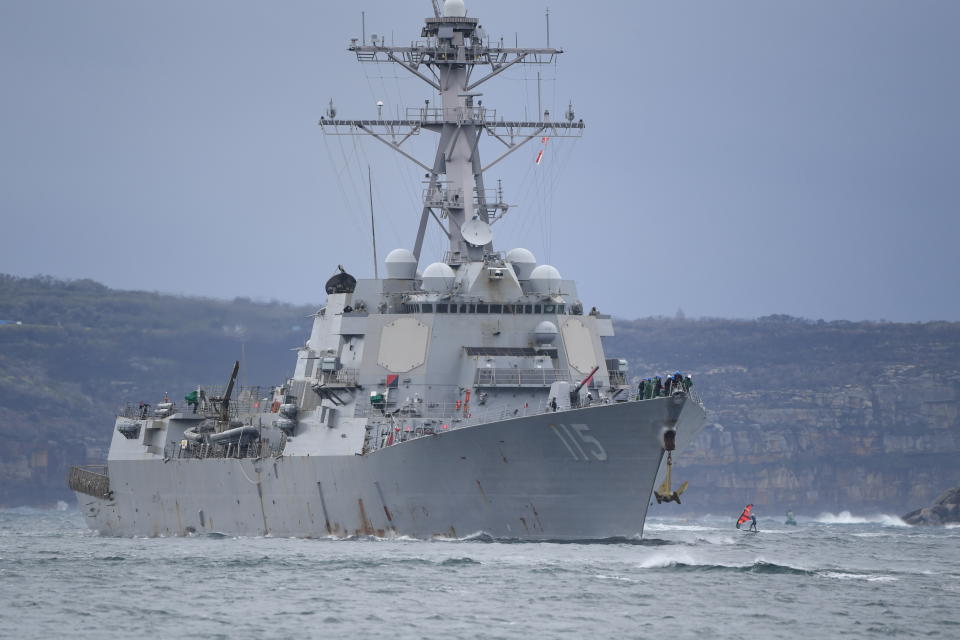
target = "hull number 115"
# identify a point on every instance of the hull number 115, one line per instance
(579, 442)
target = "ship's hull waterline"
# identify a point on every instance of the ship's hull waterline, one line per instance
(579, 474)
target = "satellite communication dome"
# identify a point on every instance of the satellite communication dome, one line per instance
(438, 276)
(545, 333)
(545, 279)
(454, 9)
(523, 262)
(401, 265)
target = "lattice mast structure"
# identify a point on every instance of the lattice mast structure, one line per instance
(455, 57)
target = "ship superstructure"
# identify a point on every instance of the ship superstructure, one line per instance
(471, 396)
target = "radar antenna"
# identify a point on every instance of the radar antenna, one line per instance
(452, 52)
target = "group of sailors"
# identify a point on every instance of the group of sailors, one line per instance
(666, 386)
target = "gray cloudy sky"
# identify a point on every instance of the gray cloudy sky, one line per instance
(741, 158)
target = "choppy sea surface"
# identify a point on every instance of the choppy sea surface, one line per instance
(832, 576)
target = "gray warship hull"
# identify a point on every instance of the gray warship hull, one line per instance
(577, 474)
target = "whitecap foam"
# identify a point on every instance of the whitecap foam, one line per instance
(869, 577)
(722, 540)
(662, 526)
(662, 559)
(600, 576)
(845, 517)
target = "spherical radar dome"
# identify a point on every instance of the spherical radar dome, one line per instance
(545, 333)
(401, 265)
(523, 262)
(438, 276)
(454, 9)
(545, 279)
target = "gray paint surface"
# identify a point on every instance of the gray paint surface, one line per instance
(512, 479)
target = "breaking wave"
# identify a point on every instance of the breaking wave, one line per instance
(686, 562)
(845, 517)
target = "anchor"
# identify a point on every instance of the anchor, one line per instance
(663, 492)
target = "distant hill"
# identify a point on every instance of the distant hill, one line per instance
(807, 415)
(82, 350)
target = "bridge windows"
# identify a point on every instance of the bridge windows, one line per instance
(484, 308)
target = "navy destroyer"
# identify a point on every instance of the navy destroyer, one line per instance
(472, 397)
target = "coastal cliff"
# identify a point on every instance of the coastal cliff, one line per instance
(808, 415)
(811, 415)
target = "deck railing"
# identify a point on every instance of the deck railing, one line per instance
(201, 451)
(245, 400)
(510, 377)
(418, 420)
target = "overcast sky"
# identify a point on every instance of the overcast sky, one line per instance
(740, 158)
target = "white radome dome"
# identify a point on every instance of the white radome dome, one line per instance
(454, 9)
(545, 333)
(523, 262)
(401, 265)
(438, 276)
(545, 279)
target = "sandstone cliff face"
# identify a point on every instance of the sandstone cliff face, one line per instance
(812, 416)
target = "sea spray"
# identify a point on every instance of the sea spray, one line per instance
(845, 517)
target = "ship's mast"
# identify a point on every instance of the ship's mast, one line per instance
(453, 48)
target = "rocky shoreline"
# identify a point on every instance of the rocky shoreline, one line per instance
(945, 510)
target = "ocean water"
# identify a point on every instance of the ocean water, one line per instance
(834, 575)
